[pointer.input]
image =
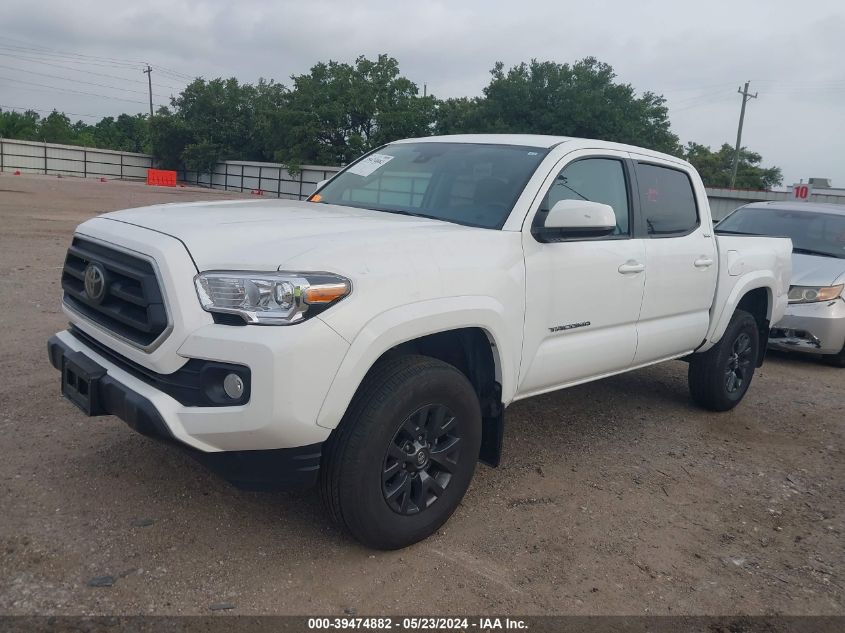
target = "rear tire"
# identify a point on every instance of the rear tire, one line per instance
(720, 377)
(402, 458)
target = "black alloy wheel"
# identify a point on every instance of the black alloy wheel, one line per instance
(421, 458)
(740, 363)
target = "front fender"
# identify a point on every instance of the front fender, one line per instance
(412, 321)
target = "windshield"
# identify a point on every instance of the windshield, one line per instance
(470, 184)
(811, 232)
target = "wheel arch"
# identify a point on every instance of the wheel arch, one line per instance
(472, 339)
(756, 297)
(724, 307)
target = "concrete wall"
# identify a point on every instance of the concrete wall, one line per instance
(723, 201)
(69, 160)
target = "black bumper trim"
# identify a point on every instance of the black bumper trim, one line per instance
(198, 383)
(116, 399)
(274, 469)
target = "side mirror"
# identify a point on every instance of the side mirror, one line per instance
(320, 185)
(577, 218)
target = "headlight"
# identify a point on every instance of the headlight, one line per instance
(812, 294)
(276, 298)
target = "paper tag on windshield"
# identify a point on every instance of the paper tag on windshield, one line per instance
(369, 164)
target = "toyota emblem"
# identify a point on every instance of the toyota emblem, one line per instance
(95, 282)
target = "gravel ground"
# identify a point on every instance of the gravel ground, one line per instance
(617, 497)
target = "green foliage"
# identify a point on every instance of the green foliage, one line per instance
(715, 167)
(460, 116)
(582, 99)
(168, 137)
(129, 133)
(56, 128)
(338, 111)
(202, 156)
(21, 126)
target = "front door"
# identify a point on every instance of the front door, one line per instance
(583, 295)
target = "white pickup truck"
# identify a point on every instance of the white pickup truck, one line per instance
(370, 338)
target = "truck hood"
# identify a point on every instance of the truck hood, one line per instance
(815, 270)
(264, 234)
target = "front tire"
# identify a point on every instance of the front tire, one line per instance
(719, 378)
(402, 458)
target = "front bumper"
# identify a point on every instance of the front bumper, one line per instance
(287, 468)
(816, 328)
(290, 370)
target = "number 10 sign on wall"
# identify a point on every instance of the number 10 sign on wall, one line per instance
(802, 192)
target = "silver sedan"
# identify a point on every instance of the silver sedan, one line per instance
(815, 319)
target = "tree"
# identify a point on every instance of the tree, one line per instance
(129, 133)
(216, 120)
(582, 99)
(169, 135)
(459, 116)
(21, 126)
(715, 167)
(338, 111)
(56, 128)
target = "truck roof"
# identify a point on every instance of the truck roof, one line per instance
(540, 140)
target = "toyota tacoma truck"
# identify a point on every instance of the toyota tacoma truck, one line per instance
(369, 339)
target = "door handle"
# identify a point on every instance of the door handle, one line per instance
(631, 267)
(703, 262)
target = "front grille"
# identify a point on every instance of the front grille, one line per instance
(130, 305)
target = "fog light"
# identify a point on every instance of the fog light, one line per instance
(233, 386)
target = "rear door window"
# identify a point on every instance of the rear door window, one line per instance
(667, 200)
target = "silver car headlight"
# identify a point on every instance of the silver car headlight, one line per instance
(813, 294)
(274, 298)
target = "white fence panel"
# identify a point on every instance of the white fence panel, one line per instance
(272, 179)
(68, 160)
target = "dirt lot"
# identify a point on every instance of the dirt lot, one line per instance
(615, 497)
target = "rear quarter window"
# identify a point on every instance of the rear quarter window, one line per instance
(667, 200)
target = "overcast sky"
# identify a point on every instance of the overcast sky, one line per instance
(694, 53)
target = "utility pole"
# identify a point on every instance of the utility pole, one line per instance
(149, 73)
(745, 98)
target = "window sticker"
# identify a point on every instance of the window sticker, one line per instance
(368, 165)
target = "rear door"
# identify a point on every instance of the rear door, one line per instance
(680, 260)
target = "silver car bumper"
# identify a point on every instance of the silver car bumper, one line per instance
(817, 328)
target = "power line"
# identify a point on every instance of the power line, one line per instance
(93, 59)
(80, 81)
(698, 101)
(69, 90)
(69, 58)
(54, 52)
(80, 70)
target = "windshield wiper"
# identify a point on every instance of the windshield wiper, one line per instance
(411, 213)
(810, 251)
